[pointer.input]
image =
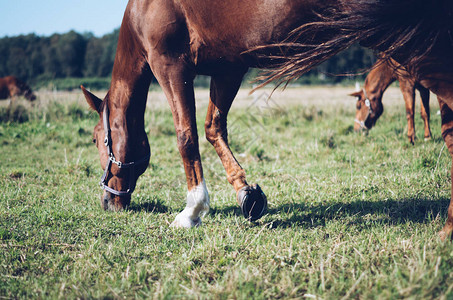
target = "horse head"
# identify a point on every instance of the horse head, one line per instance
(29, 95)
(368, 110)
(21, 88)
(123, 149)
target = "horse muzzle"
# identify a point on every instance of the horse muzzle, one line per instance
(114, 203)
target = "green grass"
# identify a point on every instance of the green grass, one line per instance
(349, 216)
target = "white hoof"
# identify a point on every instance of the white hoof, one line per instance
(183, 221)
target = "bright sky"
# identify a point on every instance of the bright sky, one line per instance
(45, 17)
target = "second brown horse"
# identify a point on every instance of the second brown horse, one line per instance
(12, 87)
(369, 99)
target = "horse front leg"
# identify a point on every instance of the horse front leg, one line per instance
(424, 111)
(447, 134)
(408, 90)
(176, 80)
(223, 90)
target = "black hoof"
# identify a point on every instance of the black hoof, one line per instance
(253, 202)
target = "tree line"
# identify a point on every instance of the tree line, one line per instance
(40, 59)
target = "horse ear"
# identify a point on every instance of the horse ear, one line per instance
(357, 94)
(93, 101)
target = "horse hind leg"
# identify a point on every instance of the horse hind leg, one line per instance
(176, 80)
(447, 134)
(425, 111)
(224, 88)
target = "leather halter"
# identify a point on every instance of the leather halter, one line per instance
(121, 165)
(370, 111)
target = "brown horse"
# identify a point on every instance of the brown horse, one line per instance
(176, 40)
(11, 87)
(369, 99)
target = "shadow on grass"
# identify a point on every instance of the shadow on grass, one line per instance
(357, 213)
(154, 206)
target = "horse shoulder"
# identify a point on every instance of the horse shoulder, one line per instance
(158, 24)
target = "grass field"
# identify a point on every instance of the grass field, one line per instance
(350, 216)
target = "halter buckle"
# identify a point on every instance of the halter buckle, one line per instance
(119, 164)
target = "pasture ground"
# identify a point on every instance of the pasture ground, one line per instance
(350, 216)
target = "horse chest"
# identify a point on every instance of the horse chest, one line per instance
(4, 91)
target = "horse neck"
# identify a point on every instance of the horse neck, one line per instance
(378, 80)
(126, 99)
(131, 76)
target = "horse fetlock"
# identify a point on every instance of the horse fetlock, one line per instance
(237, 178)
(411, 138)
(197, 206)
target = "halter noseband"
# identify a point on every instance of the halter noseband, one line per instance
(370, 111)
(121, 165)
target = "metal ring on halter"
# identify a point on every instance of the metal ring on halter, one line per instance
(121, 165)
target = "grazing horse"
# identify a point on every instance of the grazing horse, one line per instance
(369, 99)
(11, 87)
(176, 40)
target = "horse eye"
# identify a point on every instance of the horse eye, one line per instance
(94, 141)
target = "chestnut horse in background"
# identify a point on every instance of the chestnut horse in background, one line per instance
(11, 87)
(369, 99)
(176, 40)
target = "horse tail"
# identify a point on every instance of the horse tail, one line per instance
(406, 30)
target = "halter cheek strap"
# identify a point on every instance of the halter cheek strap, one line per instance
(370, 111)
(112, 160)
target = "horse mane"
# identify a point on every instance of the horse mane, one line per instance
(416, 33)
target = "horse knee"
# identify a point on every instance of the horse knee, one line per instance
(187, 140)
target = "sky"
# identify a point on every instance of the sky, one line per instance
(45, 17)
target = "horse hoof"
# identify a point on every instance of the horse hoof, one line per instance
(253, 202)
(442, 235)
(182, 221)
